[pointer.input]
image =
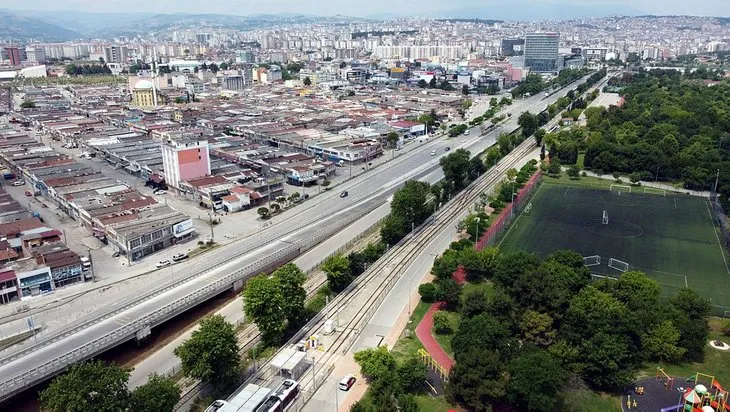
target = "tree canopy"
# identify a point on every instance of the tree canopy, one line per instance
(211, 352)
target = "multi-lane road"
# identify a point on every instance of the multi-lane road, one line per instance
(281, 240)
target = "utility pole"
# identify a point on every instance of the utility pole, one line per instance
(91, 263)
(717, 179)
(210, 222)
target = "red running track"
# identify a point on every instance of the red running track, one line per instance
(423, 331)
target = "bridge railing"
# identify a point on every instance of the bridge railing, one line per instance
(13, 385)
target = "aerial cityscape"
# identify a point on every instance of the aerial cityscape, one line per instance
(334, 207)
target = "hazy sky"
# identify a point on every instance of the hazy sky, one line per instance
(358, 8)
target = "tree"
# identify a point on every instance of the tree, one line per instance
(337, 269)
(539, 135)
(211, 352)
(375, 363)
(476, 168)
(159, 394)
(555, 167)
(474, 302)
(574, 172)
(358, 263)
(27, 104)
(307, 81)
(537, 328)
(263, 212)
(456, 167)
(635, 177)
(535, 380)
(441, 323)
(291, 282)
(465, 90)
(409, 203)
(392, 139)
(263, 303)
(432, 83)
(481, 331)
(445, 265)
(88, 386)
(422, 84)
(224, 66)
(528, 122)
(689, 313)
(477, 380)
(275, 208)
(428, 292)
(450, 292)
(411, 374)
(661, 343)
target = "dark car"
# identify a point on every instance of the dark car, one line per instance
(447, 148)
(344, 194)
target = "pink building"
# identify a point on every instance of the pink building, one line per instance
(185, 159)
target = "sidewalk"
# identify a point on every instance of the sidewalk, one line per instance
(347, 363)
(656, 185)
(423, 332)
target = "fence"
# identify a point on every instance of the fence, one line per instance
(720, 219)
(509, 212)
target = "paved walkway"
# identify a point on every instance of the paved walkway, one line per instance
(657, 185)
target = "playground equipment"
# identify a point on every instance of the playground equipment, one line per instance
(706, 396)
(431, 363)
(666, 379)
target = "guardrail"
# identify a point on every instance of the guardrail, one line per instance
(126, 332)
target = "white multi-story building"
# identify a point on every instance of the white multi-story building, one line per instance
(35, 55)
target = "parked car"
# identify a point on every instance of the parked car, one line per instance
(344, 194)
(162, 263)
(346, 383)
(466, 132)
(433, 153)
(159, 192)
(180, 256)
(28, 193)
(18, 183)
(447, 149)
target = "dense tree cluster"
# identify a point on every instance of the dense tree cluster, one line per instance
(545, 321)
(408, 210)
(534, 84)
(86, 69)
(211, 352)
(669, 127)
(96, 386)
(392, 383)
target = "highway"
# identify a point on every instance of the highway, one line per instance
(289, 234)
(356, 307)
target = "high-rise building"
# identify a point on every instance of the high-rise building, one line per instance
(541, 52)
(245, 56)
(13, 55)
(185, 159)
(36, 55)
(513, 47)
(115, 54)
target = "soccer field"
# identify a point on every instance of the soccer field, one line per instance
(671, 238)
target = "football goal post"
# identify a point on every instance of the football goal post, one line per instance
(605, 217)
(619, 265)
(592, 260)
(655, 191)
(620, 188)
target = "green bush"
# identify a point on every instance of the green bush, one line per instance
(428, 292)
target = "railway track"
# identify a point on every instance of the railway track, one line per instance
(382, 276)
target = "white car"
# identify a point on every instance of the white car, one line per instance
(466, 132)
(159, 192)
(433, 153)
(18, 183)
(162, 263)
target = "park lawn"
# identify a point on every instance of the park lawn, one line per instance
(715, 363)
(581, 158)
(428, 403)
(586, 400)
(582, 181)
(406, 347)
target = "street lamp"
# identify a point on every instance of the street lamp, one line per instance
(476, 230)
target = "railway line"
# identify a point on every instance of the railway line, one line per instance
(377, 281)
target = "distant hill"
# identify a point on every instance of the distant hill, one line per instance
(82, 22)
(16, 27)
